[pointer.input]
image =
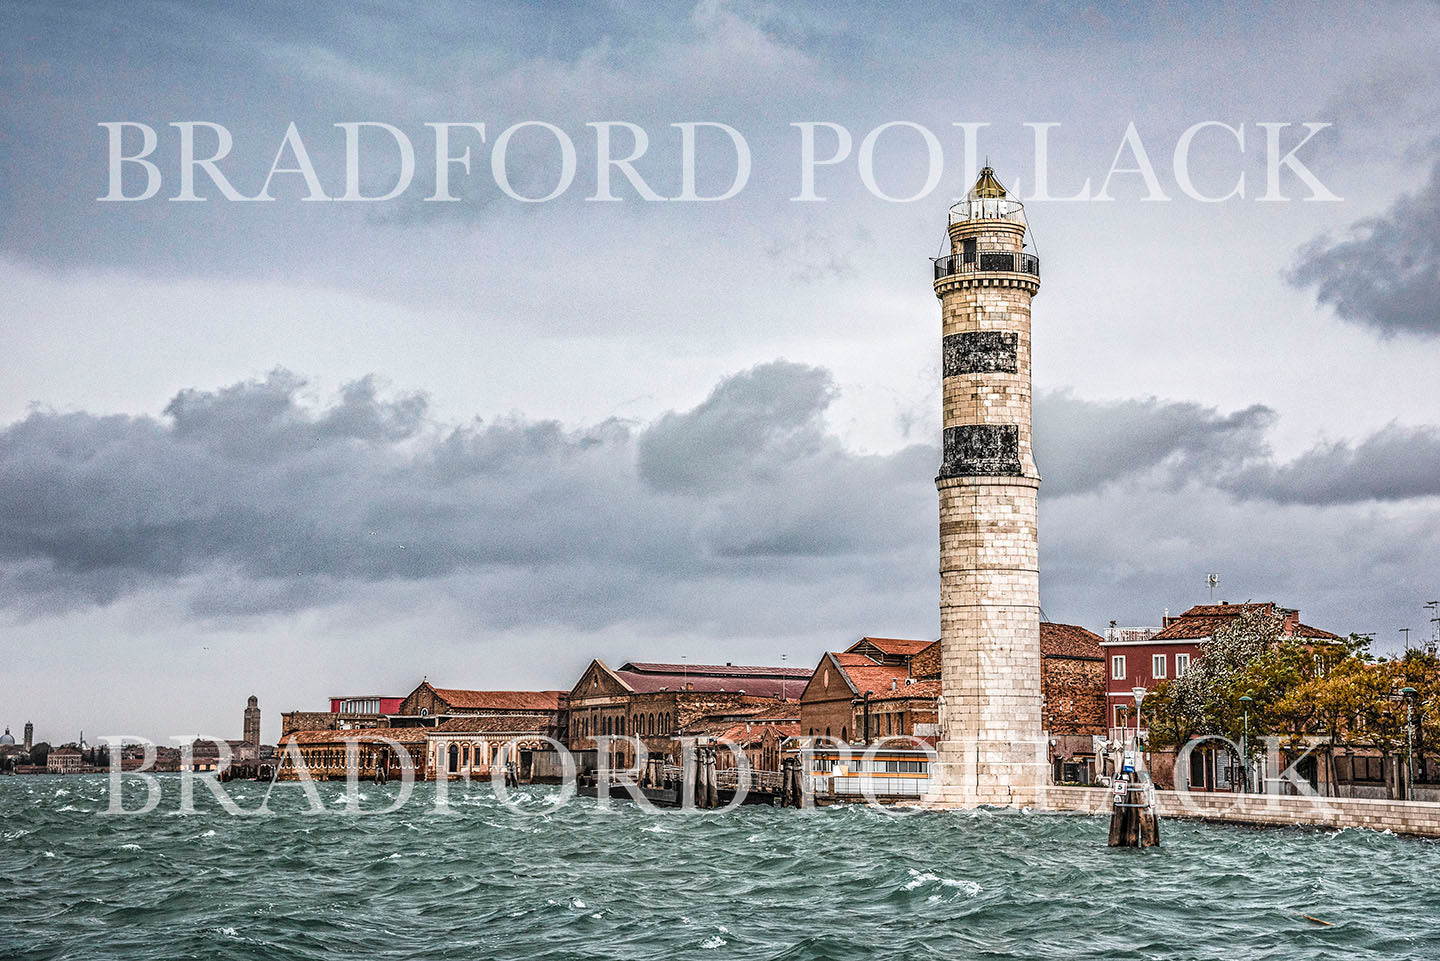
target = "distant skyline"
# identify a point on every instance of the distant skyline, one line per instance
(301, 449)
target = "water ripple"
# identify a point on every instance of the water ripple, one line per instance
(758, 884)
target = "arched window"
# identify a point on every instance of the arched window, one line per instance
(844, 735)
(454, 758)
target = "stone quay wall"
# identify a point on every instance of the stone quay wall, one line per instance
(1416, 818)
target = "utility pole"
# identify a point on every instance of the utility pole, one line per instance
(1409, 693)
(1245, 701)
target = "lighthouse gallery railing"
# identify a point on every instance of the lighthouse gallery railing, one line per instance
(987, 260)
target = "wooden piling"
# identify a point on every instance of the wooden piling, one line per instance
(1133, 821)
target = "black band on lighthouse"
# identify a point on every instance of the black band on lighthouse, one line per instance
(980, 352)
(981, 450)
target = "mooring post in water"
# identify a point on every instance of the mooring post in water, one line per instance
(1133, 821)
(712, 786)
(701, 772)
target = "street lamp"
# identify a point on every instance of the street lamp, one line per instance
(1245, 701)
(1139, 694)
(1409, 694)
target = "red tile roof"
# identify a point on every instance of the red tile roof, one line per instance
(482, 724)
(402, 735)
(903, 691)
(647, 677)
(747, 735)
(1228, 610)
(866, 675)
(1069, 640)
(894, 645)
(501, 700)
(714, 670)
(1315, 633)
(1191, 628)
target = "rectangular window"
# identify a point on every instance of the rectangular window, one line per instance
(1182, 664)
(1117, 667)
(1119, 716)
(1157, 666)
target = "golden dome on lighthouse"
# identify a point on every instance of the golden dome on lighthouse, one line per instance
(987, 186)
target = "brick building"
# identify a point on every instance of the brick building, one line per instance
(427, 706)
(325, 753)
(1137, 660)
(660, 703)
(891, 683)
(346, 713)
(895, 684)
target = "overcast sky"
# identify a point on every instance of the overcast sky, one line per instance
(303, 448)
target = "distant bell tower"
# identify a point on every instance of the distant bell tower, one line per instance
(252, 721)
(992, 749)
(29, 736)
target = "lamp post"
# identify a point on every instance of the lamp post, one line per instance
(1409, 693)
(1245, 701)
(1139, 694)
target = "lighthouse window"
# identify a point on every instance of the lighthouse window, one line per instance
(967, 251)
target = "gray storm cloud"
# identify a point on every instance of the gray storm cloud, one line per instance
(1386, 273)
(255, 498)
(255, 483)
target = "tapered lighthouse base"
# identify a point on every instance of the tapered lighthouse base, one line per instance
(979, 773)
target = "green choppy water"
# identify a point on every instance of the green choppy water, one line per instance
(758, 883)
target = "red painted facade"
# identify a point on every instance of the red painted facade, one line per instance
(1139, 670)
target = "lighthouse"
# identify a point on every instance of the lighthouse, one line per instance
(991, 744)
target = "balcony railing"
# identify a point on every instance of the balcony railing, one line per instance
(987, 208)
(985, 261)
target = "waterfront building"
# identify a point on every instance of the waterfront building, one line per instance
(205, 754)
(325, 753)
(471, 746)
(872, 690)
(64, 760)
(761, 741)
(992, 747)
(346, 712)
(1145, 662)
(427, 706)
(660, 703)
(1135, 660)
(1073, 687)
(12, 755)
(879, 688)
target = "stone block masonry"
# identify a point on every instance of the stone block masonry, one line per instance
(1414, 818)
(991, 747)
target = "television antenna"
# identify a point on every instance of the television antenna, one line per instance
(1406, 632)
(1434, 608)
(1212, 581)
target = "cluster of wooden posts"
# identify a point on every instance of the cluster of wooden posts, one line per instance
(792, 784)
(707, 786)
(1133, 822)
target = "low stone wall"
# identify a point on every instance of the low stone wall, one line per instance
(1419, 818)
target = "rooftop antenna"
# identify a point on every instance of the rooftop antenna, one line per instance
(1434, 608)
(1212, 581)
(783, 657)
(1406, 632)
